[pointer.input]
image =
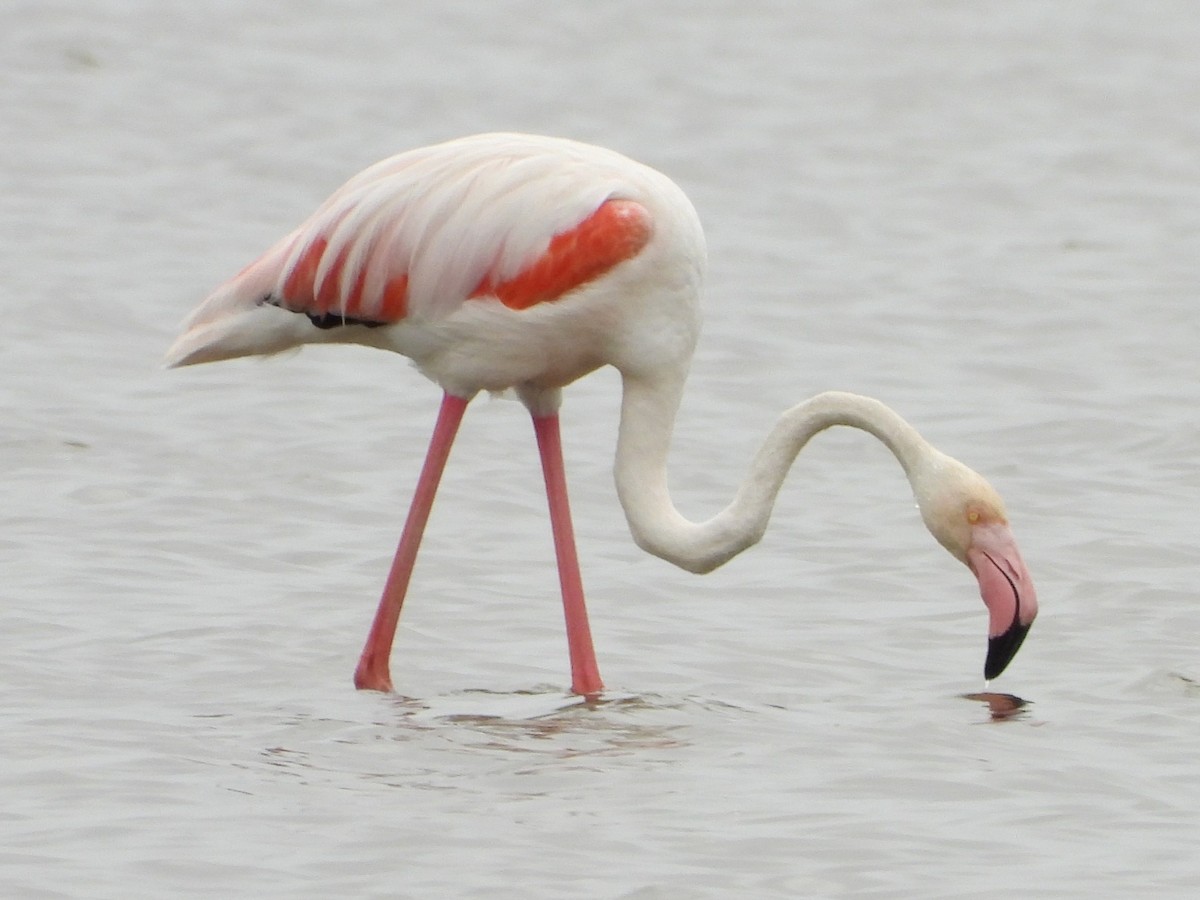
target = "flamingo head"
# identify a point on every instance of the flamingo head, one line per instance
(967, 517)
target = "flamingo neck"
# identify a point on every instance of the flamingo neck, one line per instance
(647, 420)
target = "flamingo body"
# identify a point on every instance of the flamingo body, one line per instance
(509, 261)
(493, 262)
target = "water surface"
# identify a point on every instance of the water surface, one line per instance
(988, 218)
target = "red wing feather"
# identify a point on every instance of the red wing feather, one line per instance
(615, 232)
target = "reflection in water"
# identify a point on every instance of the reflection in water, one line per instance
(548, 722)
(1001, 706)
(458, 733)
(448, 742)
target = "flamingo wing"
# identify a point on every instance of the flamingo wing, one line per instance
(414, 237)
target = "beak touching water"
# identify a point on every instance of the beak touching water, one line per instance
(1007, 591)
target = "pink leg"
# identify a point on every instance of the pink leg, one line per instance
(372, 672)
(585, 674)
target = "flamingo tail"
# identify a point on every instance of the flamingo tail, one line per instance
(240, 319)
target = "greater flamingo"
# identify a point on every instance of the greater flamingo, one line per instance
(506, 261)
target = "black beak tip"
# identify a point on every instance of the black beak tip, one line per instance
(1002, 649)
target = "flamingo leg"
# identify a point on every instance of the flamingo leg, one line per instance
(373, 673)
(585, 674)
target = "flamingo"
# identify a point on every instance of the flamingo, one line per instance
(509, 262)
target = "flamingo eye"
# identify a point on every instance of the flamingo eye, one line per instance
(973, 516)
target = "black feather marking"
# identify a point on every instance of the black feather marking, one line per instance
(324, 321)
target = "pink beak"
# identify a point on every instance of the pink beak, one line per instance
(1007, 591)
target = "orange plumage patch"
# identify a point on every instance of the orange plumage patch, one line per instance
(328, 299)
(298, 289)
(615, 232)
(395, 299)
(301, 293)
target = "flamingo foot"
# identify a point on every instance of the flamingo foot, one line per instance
(372, 675)
(585, 674)
(589, 691)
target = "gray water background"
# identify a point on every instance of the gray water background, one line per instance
(987, 215)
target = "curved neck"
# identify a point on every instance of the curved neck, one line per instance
(647, 420)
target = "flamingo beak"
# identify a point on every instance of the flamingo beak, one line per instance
(1007, 591)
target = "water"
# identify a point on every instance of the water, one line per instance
(987, 217)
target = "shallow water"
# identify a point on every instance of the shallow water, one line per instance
(988, 218)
